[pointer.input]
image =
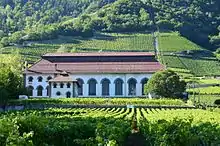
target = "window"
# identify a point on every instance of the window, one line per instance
(143, 83)
(118, 86)
(40, 79)
(39, 91)
(68, 94)
(61, 85)
(58, 93)
(68, 85)
(132, 86)
(54, 85)
(30, 79)
(92, 86)
(49, 78)
(105, 87)
(30, 90)
(80, 87)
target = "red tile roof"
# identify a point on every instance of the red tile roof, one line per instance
(101, 54)
(45, 66)
(61, 78)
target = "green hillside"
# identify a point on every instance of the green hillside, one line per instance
(33, 28)
(100, 42)
(169, 44)
(47, 19)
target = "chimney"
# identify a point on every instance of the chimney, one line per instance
(55, 74)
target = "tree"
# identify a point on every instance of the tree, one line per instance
(4, 97)
(10, 78)
(165, 84)
(16, 37)
(2, 34)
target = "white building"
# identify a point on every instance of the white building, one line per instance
(104, 74)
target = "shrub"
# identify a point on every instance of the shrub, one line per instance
(165, 84)
(218, 51)
(217, 102)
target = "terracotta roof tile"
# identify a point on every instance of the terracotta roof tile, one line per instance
(135, 66)
(97, 67)
(62, 79)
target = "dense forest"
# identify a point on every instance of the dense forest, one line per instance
(28, 20)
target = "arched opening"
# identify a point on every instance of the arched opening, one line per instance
(119, 86)
(47, 90)
(39, 91)
(143, 83)
(105, 87)
(61, 85)
(30, 90)
(80, 87)
(92, 86)
(30, 79)
(68, 94)
(68, 85)
(49, 78)
(40, 79)
(54, 85)
(132, 86)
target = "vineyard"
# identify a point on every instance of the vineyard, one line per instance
(105, 42)
(173, 42)
(102, 126)
(32, 51)
(206, 91)
(100, 101)
(205, 99)
(169, 43)
(196, 66)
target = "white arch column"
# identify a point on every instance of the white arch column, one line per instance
(112, 89)
(126, 89)
(75, 89)
(34, 93)
(44, 92)
(98, 89)
(138, 89)
(85, 89)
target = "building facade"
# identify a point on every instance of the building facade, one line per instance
(104, 74)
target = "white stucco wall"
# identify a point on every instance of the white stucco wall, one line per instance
(86, 77)
(35, 83)
(63, 90)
